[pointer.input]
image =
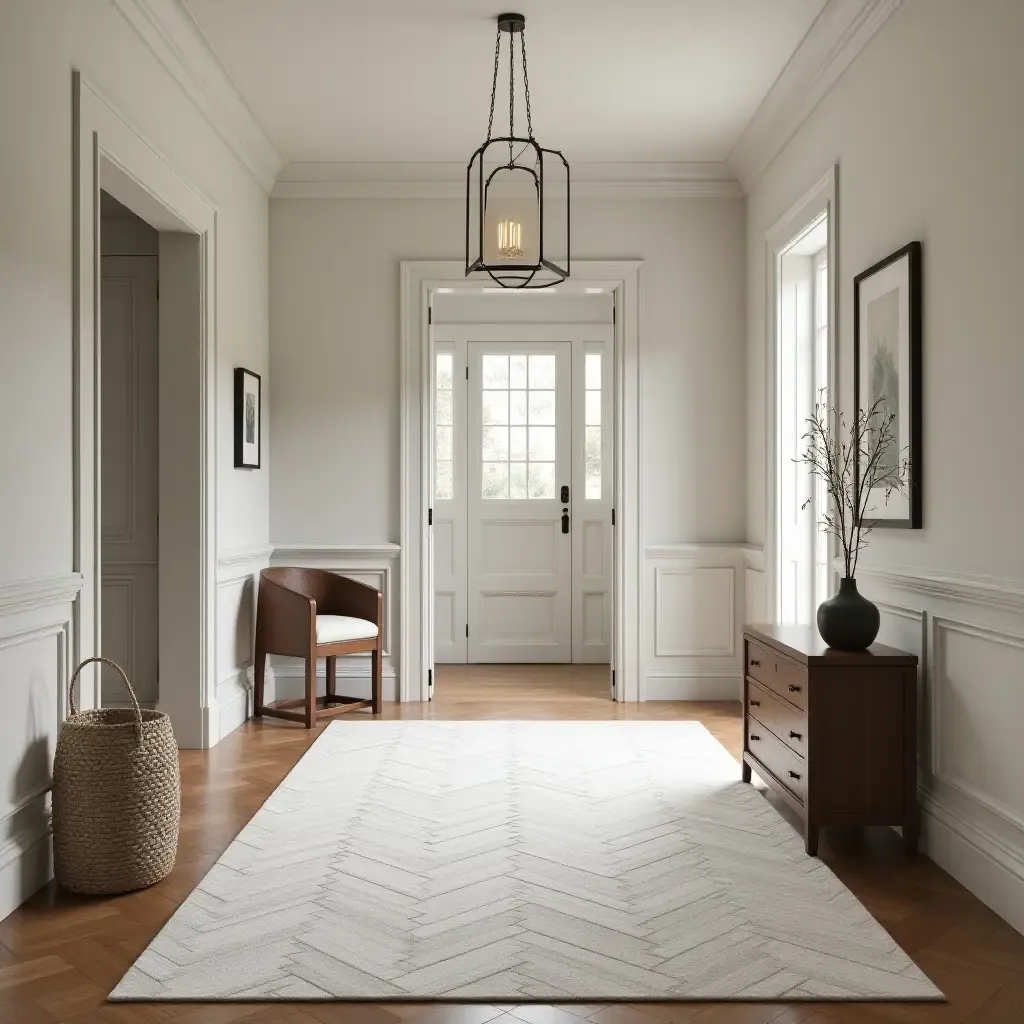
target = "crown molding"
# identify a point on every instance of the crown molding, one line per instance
(173, 36)
(833, 42)
(351, 180)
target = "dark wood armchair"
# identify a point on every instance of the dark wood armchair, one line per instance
(310, 614)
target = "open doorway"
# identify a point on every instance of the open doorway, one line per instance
(129, 452)
(804, 373)
(522, 471)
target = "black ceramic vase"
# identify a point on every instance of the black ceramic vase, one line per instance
(848, 621)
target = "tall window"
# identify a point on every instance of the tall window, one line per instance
(802, 372)
(592, 424)
(822, 571)
(444, 426)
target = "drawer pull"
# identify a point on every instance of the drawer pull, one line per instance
(754, 661)
(795, 735)
(753, 737)
(794, 775)
(755, 703)
(794, 689)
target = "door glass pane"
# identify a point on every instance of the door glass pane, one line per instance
(593, 409)
(592, 374)
(542, 407)
(495, 480)
(444, 444)
(592, 461)
(542, 371)
(518, 441)
(495, 407)
(542, 444)
(542, 480)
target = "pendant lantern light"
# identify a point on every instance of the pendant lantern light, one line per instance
(517, 192)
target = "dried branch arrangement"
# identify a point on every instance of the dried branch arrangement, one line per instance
(873, 446)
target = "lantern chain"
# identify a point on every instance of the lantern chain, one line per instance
(494, 83)
(511, 92)
(526, 84)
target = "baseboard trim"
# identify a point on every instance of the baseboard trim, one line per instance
(691, 686)
(989, 871)
(26, 865)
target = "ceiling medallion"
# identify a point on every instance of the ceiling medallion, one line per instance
(517, 192)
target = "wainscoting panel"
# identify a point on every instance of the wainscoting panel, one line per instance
(692, 614)
(237, 582)
(35, 652)
(969, 633)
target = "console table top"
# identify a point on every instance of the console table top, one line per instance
(804, 644)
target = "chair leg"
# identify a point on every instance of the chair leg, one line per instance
(259, 672)
(310, 690)
(331, 663)
(377, 681)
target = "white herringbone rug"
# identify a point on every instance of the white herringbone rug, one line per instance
(519, 861)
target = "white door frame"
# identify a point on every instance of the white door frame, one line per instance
(109, 153)
(820, 199)
(419, 279)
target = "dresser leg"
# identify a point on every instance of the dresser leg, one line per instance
(811, 839)
(745, 772)
(911, 833)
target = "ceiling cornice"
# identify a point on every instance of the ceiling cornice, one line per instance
(169, 30)
(833, 42)
(343, 180)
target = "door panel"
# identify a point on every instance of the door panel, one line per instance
(129, 479)
(519, 456)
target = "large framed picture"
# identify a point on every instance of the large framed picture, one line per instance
(887, 370)
(247, 418)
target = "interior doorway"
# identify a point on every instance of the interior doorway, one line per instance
(129, 452)
(523, 480)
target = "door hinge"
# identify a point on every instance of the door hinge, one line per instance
(613, 315)
(430, 314)
(613, 517)
(430, 517)
(467, 373)
(467, 630)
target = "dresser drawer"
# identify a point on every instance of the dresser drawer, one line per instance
(787, 722)
(779, 674)
(787, 766)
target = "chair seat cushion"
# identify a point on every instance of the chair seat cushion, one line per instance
(336, 629)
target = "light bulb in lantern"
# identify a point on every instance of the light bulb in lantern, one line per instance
(510, 238)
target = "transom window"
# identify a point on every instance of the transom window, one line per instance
(518, 423)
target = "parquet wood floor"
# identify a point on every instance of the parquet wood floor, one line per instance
(60, 955)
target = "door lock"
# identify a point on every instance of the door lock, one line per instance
(565, 493)
(565, 520)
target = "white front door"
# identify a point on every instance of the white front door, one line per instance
(519, 456)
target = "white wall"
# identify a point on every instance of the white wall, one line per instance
(41, 43)
(926, 129)
(335, 362)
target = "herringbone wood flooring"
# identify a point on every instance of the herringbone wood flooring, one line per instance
(60, 956)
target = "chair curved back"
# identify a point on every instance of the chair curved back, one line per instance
(314, 583)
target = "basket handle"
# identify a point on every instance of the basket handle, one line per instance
(128, 686)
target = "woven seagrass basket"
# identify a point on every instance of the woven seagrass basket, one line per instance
(116, 796)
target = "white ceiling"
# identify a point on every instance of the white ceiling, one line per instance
(409, 80)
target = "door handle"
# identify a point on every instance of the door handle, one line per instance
(565, 493)
(565, 520)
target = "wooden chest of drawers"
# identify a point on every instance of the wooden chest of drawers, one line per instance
(834, 733)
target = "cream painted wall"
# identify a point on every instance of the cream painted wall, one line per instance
(41, 43)
(335, 340)
(925, 127)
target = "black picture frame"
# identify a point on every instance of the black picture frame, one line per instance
(910, 515)
(248, 418)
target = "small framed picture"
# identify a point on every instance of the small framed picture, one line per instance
(247, 419)
(887, 370)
